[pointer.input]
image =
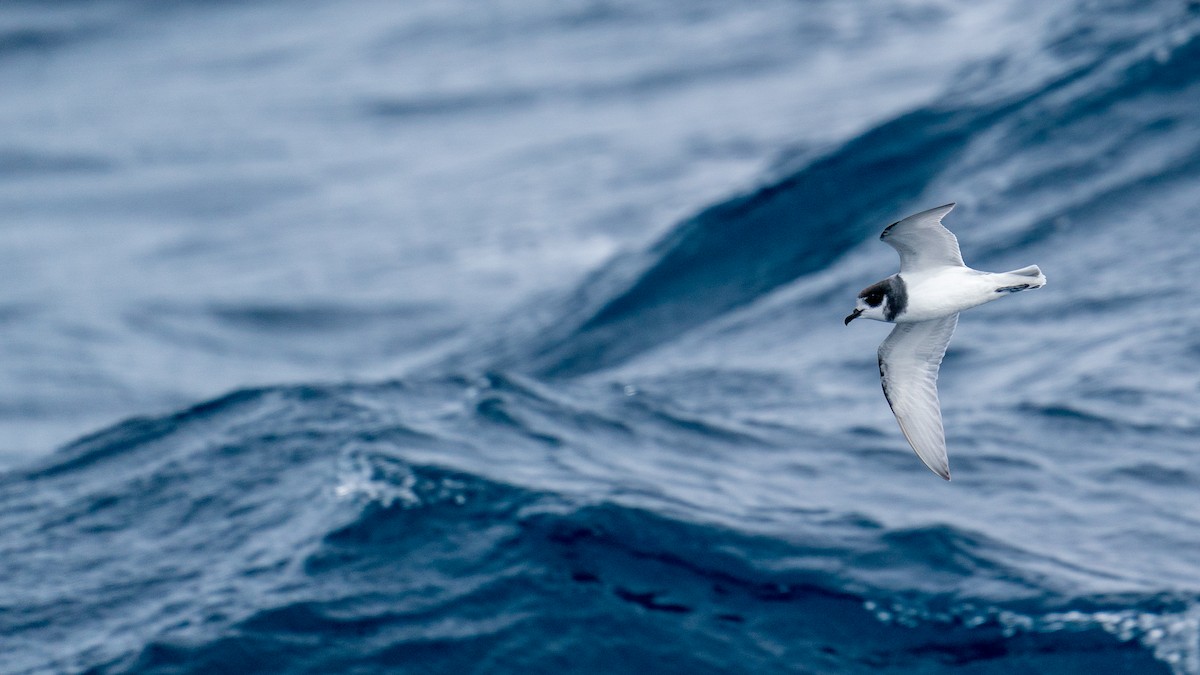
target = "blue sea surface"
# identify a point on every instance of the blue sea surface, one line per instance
(447, 337)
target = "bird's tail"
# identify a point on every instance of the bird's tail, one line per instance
(1031, 271)
(1020, 280)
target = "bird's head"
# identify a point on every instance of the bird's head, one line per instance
(874, 302)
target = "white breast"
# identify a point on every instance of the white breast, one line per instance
(940, 292)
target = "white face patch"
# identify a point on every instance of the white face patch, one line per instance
(884, 300)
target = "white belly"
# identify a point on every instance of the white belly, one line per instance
(946, 291)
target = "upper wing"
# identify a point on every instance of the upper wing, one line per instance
(923, 242)
(908, 366)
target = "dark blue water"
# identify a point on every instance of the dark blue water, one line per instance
(436, 338)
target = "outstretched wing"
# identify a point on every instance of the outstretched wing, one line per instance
(922, 241)
(908, 366)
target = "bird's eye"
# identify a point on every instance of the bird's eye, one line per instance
(874, 299)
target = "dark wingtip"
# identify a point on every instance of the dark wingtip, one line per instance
(944, 473)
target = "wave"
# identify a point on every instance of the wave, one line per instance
(27, 40)
(734, 252)
(20, 163)
(309, 528)
(1137, 88)
(495, 512)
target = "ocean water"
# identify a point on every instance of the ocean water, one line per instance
(432, 337)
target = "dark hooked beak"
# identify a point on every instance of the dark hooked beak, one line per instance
(853, 316)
